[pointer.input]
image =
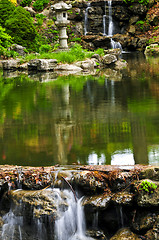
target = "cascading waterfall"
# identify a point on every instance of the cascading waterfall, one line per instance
(71, 223)
(86, 24)
(110, 26)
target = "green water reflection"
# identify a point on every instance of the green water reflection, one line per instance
(108, 119)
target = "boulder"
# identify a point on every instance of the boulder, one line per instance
(40, 202)
(125, 234)
(42, 64)
(97, 202)
(138, 9)
(116, 51)
(30, 10)
(10, 64)
(149, 197)
(69, 68)
(96, 234)
(152, 50)
(144, 220)
(132, 30)
(86, 65)
(150, 173)
(19, 49)
(123, 198)
(109, 59)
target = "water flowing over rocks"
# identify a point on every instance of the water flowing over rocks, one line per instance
(115, 202)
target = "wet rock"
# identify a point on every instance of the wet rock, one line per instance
(144, 220)
(123, 198)
(132, 30)
(152, 50)
(96, 234)
(150, 173)
(97, 202)
(116, 52)
(138, 9)
(149, 198)
(102, 42)
(1, 222)
(87, 182)
(153, 233)
(125, 234)
(42, 202)
(109, 59)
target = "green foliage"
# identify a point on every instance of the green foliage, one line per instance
(143, 2)
(25, 3)
(20, 26)
(100, 51)
(40, 4)
(140, 22)
(76, 53)
(5, 43)
(45, 48)
(6, 9)
(147, 186)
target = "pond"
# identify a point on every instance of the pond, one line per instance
(109, 118)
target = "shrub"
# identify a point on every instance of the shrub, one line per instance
(45, 48)
(25, 3)
(5, 41)
(40, 4)
(6, 9)
(100, 51)
(20, 27)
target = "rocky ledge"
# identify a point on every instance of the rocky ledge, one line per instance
(110, 59)
(122, 200)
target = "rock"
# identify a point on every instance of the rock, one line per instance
(86, 65)
(42, 64)
(147, 199)
(42, 202)
(123, 198)
(138, 9)
(125, 234)
(150, 173)
(10, 64)
(102, 42)
(132, 30)
(144, 220)
(153, 233)
(116, 52)
(97, 202)
(152, 50)
(120, 64)
(87, 182)
(29, 9)
(19, 49)
(109, 59)
(96, 234)
(71, 68)
(96, 56)
(133, 20)
(1, 222)
(23, 66)
(142, 43)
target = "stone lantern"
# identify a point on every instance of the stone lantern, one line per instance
(62, 22)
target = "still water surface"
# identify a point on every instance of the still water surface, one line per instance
(108, 119)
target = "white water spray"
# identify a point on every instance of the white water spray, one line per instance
(71, 223)
(86, 24)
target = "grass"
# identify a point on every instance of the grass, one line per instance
(76, 53)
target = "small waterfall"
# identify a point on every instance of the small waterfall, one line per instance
(95, 220)
(86, 24)
(12, 226)
(110, 25)
(71, 223)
